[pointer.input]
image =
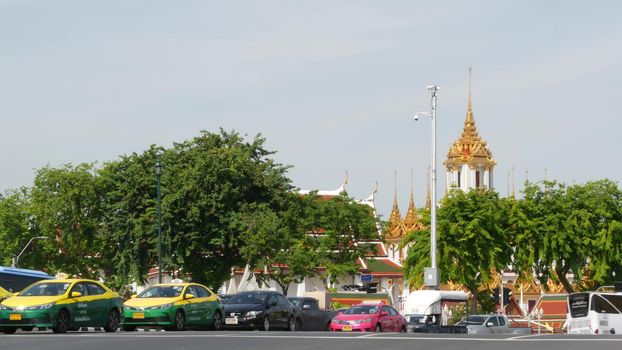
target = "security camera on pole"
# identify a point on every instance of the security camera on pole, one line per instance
(431, 274)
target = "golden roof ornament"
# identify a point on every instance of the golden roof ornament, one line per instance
(470, 148)
(411, 222)
(396, 227)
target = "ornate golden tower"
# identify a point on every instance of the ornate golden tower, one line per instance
(469, 162)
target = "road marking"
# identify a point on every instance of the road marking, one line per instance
(375, 336)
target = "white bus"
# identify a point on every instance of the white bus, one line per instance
(594, 313)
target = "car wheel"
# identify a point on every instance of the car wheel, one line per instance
(9, 330)
(113, 321)
(180, 321)
(378, 328)
(129, 328)
(217, 324)
(265, 326)
(291, 324)
(62, 322)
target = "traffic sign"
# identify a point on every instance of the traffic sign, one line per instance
(365, 278)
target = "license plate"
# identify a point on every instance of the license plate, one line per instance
(138, 315)
(346, 328)
(231, 320)
(15, 317)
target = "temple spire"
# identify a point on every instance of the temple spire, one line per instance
(513, 185)
(395, 219)
(469, 115)
(410, 222)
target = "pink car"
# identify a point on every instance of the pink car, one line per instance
(369, 317)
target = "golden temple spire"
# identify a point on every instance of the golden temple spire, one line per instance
(469, 115)
(470, 148)
(410, 222)
(395, 226)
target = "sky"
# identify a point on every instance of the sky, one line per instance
(331, 85)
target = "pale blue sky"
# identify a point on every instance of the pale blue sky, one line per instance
(332, 85)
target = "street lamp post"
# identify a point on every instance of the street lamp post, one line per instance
(431, 274)
(16, 259)
(158, 174)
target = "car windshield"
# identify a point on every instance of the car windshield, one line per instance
(362, 309)
(161, 292)
(475, 320)
(247, 298)
(46, 289)
(296, 302)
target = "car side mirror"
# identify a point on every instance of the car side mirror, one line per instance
(489, 324)
(306, 307)
(189, 296)
(133, 296)
(75, 294)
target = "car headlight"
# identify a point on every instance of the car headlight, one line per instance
(252, 314)
(157, 307)
(3, 307)
(39, 307)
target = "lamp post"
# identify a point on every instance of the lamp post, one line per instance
(158, 173)
(431, 274)
(16, 259)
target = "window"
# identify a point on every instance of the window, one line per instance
(600, 305)
(201, 292)
(80, 288)
(392, 311)
(493, 320)
(616, 300)
(314, 305)
(458, 179)
(191, 290)
(95, 289)
(477, 179)
(501, 321)
(281, 300)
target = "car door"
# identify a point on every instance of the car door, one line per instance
(284, 309)
(492, 324)
(395, 319)
(311, 309)
(204, 311)
(79, 313)
(192, 306)
(385, 319)
(99, 305)
(274, 311)
(503, 325)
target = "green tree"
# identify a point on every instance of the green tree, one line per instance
(66, 206)
(473, 242)
(14, 227)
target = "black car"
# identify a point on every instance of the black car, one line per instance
(309, 316)
(263, 310)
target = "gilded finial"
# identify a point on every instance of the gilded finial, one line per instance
(410, 221)
(345, 182)
(469, 110)
(545, 171)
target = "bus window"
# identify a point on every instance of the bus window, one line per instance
(602, 306)
(616, 300)
(578, 304)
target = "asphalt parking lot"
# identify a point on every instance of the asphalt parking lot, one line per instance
(231, 340)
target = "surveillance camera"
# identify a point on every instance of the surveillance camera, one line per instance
(416, 117)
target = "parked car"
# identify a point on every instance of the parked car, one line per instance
(62, 305)
(173, 306)
(369, 317)
(487, 324)
(263, 310)
(309, 316)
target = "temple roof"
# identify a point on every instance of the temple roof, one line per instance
(470, 148)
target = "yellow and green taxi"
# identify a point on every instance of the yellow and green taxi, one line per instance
(173, 306)
(62, 305)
